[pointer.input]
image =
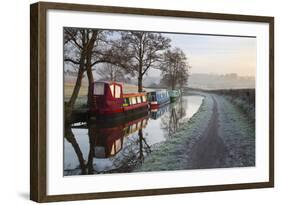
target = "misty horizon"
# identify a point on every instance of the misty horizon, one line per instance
(196, 80)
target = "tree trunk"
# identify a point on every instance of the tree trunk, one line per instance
(90, 75)
(89, 60)
(140, 78)
(173, 84)
(140, 83)
(70, 104)
(89, 71)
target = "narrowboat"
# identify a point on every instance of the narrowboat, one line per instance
(107, 99)
(174, 95)
(158, 98)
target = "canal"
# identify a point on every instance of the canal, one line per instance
(120, 147)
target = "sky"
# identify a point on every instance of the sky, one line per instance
(212, 54)
(216, 54)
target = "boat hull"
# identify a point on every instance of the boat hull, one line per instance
(173, 99)
(155, 104)
(113, 116)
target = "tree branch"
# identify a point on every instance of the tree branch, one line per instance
(72, 61)
(101, 61)
(73, 39)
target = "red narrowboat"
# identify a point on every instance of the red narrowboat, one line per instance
(108, 99)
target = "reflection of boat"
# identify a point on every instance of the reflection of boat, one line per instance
(107, 99)
(109, 137)
(158, 112)
(158, 98)
(174, 95)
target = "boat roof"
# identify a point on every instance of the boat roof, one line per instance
(108, 82)
(127, 95)
(159, 90)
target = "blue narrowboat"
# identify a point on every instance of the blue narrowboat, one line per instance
(158, 98)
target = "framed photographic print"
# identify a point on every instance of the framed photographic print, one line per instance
(134, 102)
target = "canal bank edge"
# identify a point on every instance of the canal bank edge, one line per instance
(196, 141)
(174, 154)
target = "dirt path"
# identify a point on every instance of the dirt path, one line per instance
(217, 136)
(210, 151)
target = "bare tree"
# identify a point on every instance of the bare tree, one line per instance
(144, 50)
(84, 49)
(111, 72)
(175, 68)
(75, 54)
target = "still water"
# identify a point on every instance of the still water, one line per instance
(91, 148)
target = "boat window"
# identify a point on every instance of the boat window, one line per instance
(112, 90)
(158, 96)
(138, 99)
(134, 100)
(99, 89)
(126, 100)
(117, 91)
(143, 98)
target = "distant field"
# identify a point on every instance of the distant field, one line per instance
(68, 89)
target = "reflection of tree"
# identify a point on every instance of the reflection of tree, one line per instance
(133, 153)
(86, 167)
(134, 150)
(91, 150)
(174, 121)
(183, 106)
(171, 122)
(71, 139)
(141, 157)
(143, 146)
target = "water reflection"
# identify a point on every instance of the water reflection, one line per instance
(69, 136)
(121, 146)
(177, 113)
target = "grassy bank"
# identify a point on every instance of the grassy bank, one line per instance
(243, 99)
(235, 130)
(238, 133)
(174, 153)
